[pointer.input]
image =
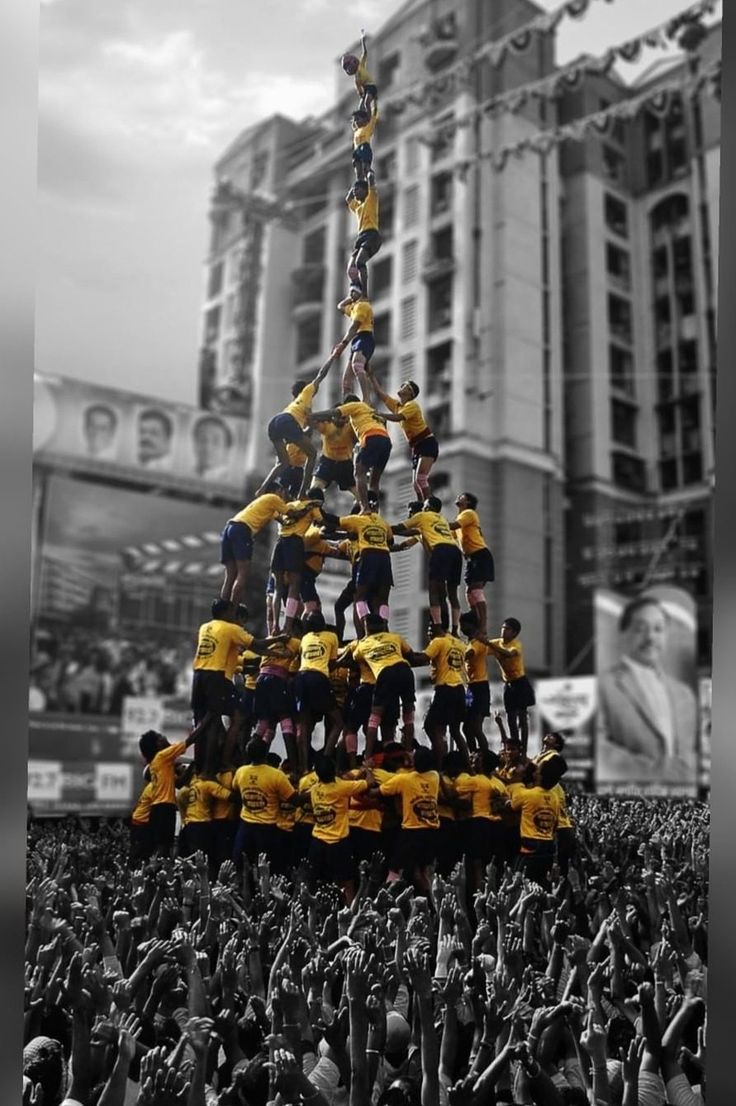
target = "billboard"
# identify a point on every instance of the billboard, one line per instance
(115, 432)
(647, 733)
(76, 765)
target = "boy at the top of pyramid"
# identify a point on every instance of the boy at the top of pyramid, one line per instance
(362, 199)
(365, 86)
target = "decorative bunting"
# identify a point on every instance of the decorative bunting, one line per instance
(576, 8)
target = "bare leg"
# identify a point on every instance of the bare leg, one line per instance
(227, 583)
(454, 608)
(421, 477)
(241, 577)
(311, 453)
(361, 483)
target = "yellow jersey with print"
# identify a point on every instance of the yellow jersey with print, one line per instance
(278, 659)
(339, 682)
(512, 668)
(362, 76)
(364, 420)
(287, 813)
(214, 643)
(181, 798)
(364, 669)
(364, 812)
(361, 313)
(304, 813)
(381, 651)
(249, 664)
(233, 662)
(260, 511)
(565, 821)
(337, 441)
(486, 793)
(315, 548)
(318, 648)
(161, 770)
(298, 517)
(371, 531)
(142, 810)
(330, 805)
(540, 812)
(262, 790)
(366, 212)
(469, 535)
(444, 808)
(414, 424)
(301, 406)
(432, 527)
(447, 654)
(297, 457)
(201, 797)
(226, 809)
(365, 132)
(418, 791)
(475, 662)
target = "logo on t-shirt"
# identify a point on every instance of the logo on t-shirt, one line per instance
(374, 535)
(544, 821)
(254, 800)
(442, 529)
(206, 646)
(314, 651)
(381, 651)
(425, 810)
(455, 659)
(324, 815)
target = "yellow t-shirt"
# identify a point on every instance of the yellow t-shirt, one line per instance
(564, 821)
(317, 650)
(351, 547)
(293, 523)
(260, 511)
(161, 769)
(315, 548)
(249, 664)
(382, 650)
(444, 809)
(540, 812)
(414, 422)
(181, 798)
(365, 133)
(337, 441)
(469, 536)
(200, 799)
(330, 805)
(367, 211)
(418, 791)
(339, 678)
(215, 641)
(225, 809)
(365, 813)
(286, 817)
(363, 419)
(475, 662)
(361, 313)
(280, 656)
(142, 811)
(432, 528)
(364, 669)
(301, 406)
(372, 531)
(362, 76)
(304, 813)
(262, 790)
(481, 790)
(447, 654)
(511, 667)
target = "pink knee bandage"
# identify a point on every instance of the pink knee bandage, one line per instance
(287, 726)
(351, 742)
(362, 608)
(422, 482)
(291, 607)
(383, 611)
(374, 721)
(477, 595)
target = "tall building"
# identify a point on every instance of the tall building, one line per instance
(500, 292)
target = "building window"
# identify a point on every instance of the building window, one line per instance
(444, 137)
(259, 169)
(441, 196)
(613, 164)
(411, 156)
(441, 421)
(670, 213)
(212, 326)
(621, 369)
(382, 329)
(655, 168)
(692, 468)
(386, 167)
(660, 263)
(628, 472)
(667, 431)
(439, 369)
(440, 480)
(665, 375)
(386, 72)
(407, 365)
(409, 261)
(381, 272)
(623, 423)
(440, 303)
(411, 206)
(618, 265)
(387, 211)
(616, 215)
(442, 244)
(687, 355)
(214, 286)
(668, 475)
(308, 338)
(313, 247)
(409, 317)
(619, 318)
(677, 157)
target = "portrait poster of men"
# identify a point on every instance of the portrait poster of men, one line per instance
(100, 431)
(155, 439)
(212, 443)
(647, 731)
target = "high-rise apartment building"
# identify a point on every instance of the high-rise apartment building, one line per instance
(528, 320)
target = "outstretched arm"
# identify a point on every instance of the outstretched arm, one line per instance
(324, 371)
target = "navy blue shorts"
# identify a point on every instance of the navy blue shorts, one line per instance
(330, 863)
(428, 447)
(312, 691)
(285, 428)
(291, 480)
(478, 699)
(336, 472)
(236, 543)
(375, 453)
(273, 699)
(244, 700)
(446, 564)
(483, 839)
(253, 838)
(395, 684)
(364, 343)
(479, 568)
(307, 588)
(371, 90)
(288, 555)
(415, 848)
(374, 569)
(518, 695)
(447, 707)
(363, 153)
(358, 706)
(369, 241)
(211, 691)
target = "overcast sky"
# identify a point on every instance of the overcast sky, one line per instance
(137, 98)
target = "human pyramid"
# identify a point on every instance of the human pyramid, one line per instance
(337, 807)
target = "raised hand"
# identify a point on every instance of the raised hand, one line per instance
(417, 966)
(128, 1033)
(197, 1032)
(631, 1059)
